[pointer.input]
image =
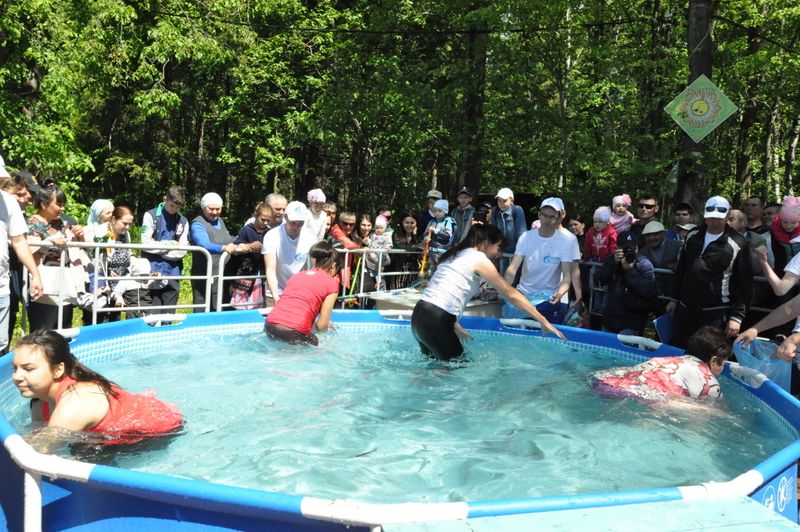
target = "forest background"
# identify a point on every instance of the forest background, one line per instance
(378, 101)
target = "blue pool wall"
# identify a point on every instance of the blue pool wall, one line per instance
(112, 498)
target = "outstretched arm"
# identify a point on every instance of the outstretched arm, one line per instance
(490, 274)
(779, 316)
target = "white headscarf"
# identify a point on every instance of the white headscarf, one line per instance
(98, 207)
(212, 198)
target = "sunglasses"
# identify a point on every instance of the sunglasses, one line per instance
(647, 206)
(718, 209)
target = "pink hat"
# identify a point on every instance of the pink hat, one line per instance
(623, 199)
(381, 221)
(790, 212)
(316, 196)
(602, 214)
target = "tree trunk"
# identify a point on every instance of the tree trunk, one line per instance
(791, 153)
(692, 169)
(562, 165)
(772, 133)
(474, 85)
(744, 155)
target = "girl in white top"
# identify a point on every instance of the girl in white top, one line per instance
(434, 321)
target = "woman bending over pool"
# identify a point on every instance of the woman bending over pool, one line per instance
(68, 396)
(458, 276)
(691, 375)
(309, 295)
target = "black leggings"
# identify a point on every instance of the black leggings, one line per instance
(435, 331)
(289, 335)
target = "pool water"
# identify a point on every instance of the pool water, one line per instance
(367, 417)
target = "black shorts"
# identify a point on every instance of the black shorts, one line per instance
(435, 331)
(289, 335)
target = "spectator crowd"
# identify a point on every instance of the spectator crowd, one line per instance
(614, 272)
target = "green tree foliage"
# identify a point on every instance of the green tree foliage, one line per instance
(378, 101)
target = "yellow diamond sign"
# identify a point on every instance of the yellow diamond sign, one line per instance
(700, 108)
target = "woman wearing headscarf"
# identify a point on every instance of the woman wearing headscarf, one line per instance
(97, 221)
(208, 231)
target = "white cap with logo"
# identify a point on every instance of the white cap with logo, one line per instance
(553, 203)
(717, 207)
(296, 211)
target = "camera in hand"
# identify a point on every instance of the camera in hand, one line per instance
(630, 255)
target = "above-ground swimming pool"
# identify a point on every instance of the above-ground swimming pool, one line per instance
(365, 431)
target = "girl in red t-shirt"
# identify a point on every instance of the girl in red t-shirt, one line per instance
(309, 295)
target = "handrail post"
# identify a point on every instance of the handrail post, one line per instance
(221, 278)
(32, 489)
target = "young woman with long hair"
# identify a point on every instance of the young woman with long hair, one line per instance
(457, 279)
(68, 396)
(308, 296)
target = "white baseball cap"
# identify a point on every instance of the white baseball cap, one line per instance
(716, 207)
(504, 194)
(296, 211)
(554, 203)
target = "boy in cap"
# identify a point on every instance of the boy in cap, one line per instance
(713, 281)
(462, 213)
(441, 231)
(510, 219)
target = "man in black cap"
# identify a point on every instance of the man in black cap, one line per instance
(462, 213)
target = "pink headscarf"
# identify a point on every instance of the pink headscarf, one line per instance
(790, 211)
(624, 199)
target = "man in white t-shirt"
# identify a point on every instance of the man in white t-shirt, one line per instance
(13, 229)
(546, 256)
(285, 249)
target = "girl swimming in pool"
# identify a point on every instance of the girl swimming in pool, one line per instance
(309, 295)
(691, 375)
(457, 279)
(68, 396)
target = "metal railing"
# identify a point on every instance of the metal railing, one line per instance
(354, 290)
(97, 264)
(355, 276)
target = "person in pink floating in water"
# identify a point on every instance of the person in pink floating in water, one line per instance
(692, 375)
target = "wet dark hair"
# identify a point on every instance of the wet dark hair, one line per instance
(56, 350)
(708, 342)
(325, 256)
(48, 192)
(477, 235)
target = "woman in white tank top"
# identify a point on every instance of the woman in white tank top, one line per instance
(434, 321)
